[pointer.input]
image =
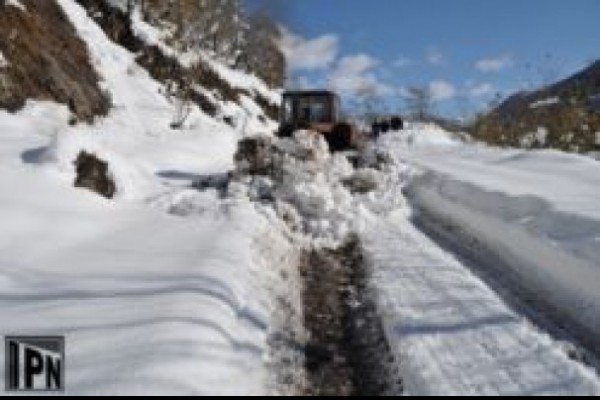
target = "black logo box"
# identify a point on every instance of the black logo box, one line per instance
(52, 344)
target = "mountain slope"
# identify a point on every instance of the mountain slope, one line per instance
(585, 83)
(565, 116)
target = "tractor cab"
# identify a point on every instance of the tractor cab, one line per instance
(318, 111)
(315, 110)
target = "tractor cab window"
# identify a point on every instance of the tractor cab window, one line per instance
(313, 109)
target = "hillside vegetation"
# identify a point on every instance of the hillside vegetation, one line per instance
(562, 116)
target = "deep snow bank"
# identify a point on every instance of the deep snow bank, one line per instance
(569, 182)
(553, 256)
(163, 290)
(171, 297)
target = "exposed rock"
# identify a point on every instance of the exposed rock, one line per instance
(255, 156)
(47, 61)
(93, 174)
(115, 23)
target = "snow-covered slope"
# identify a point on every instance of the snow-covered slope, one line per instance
(232, 97)
(150, 302)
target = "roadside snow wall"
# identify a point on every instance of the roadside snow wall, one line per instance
(552, 256)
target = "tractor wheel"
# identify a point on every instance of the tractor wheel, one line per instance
(375, 129)
(385, 127)
(397, 124)
(286, 131)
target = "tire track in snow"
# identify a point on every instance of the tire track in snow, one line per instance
(452, 333)
(579, 343)
(348, 352)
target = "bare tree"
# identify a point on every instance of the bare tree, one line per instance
(218, 27)
(419, 102)
(464, 107)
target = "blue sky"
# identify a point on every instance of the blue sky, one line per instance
(465, 51)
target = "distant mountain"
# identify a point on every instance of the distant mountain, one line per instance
(564, 115)
(584, 85)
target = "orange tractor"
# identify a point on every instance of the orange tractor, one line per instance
(319, 111)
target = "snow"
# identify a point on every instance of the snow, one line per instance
(237, 79)
(246, 116)
(3, 61)
(139, 124)
(514, 172)
(242, 80)
(168, 290)
(553, 256)
(425, 136)
(120, 4)
(149, 302)
(313, 188)
(192, 278)
(164, 290)
(537, 211)
(147, 33)
(16, 4)
(535, 139)
(551, 101)
(452, 335)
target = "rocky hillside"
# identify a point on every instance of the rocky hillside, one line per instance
(565, 115)
(42, 58)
